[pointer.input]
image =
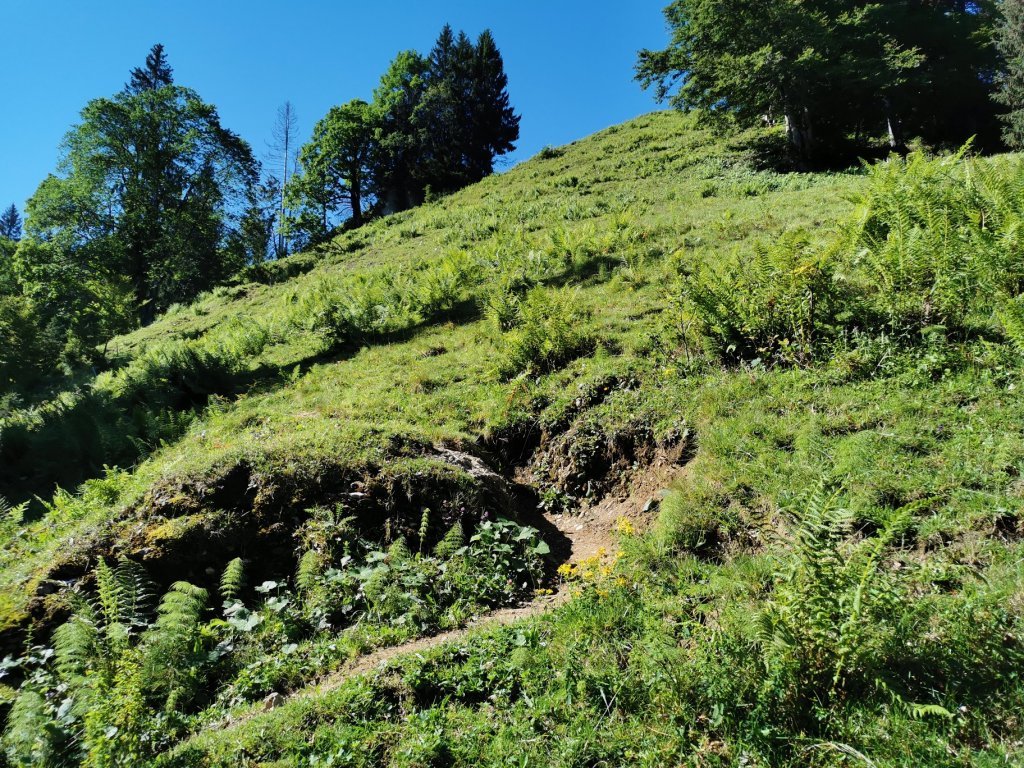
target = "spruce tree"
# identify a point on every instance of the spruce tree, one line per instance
(156, 74)
(10, 224)
(1010, 41)
(494, 123)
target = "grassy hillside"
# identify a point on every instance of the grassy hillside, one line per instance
(759, 433)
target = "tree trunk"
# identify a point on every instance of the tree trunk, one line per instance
(895, 127)
(356, 199)
(800, 132)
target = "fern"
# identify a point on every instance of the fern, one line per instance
(311, 568)
(424, 529)
(399, 551)
(32, 738)
(1010, 313)
(179, 613)
(12, 517)
(452, 542)
(232, 581)
(172, 647)
(77, 646)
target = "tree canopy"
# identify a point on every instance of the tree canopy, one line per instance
(144, 202)
(436, 123)
(831, 69)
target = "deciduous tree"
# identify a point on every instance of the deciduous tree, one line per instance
(148, 191)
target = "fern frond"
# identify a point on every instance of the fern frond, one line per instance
(180, 611)
(452, 542)
(1010, 313)
(311, 568)
(232, 581)
(399, 551)
(77, 646)
(32, 737)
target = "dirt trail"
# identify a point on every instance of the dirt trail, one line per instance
(586, 532)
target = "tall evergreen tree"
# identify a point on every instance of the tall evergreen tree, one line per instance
(443, 114)
(399, 133)
(10, 223)
(1010, 41)
(465, 112)
(156, 73)
(494, 123)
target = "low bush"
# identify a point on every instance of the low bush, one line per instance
(547, 329)
(930, 248)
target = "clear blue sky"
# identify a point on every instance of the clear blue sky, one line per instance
(569, 62)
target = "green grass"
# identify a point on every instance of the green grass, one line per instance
(671, 666)
(313, 404)
(834, 579)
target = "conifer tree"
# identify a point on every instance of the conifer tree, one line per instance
(494, 123)
(1010, 41)
(156, 73)
(10, 224)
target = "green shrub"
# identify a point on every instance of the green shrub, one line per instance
(775, 304)
(931, 247)
(548, 329)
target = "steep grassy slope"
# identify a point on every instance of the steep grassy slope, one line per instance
(831, 575)
(317, 401)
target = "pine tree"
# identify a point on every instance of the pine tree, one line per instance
(1010, 41)
(156, 74)
(494, 123)
(10, 224)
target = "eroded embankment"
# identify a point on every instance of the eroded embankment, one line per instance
(570, 479)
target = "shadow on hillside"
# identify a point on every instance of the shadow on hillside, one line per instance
(771, 152)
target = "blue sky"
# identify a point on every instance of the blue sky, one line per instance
(569, 62)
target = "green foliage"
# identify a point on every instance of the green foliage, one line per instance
(548, 329)
(90, 700)
(1010, 43)
(161, 235)
(336, 171)
(929, 251)
(828, 625)
(774, 304)
(435, 124)
(830, 69)
(232, 581)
